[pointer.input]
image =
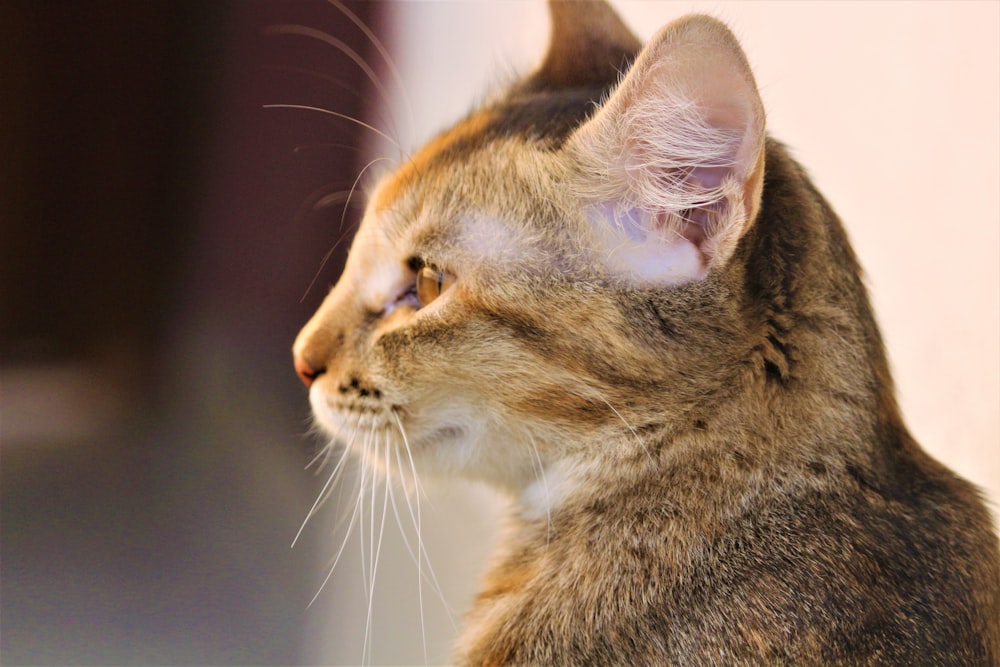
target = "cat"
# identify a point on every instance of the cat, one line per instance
(609, 294)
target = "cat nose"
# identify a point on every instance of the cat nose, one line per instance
(307, 371)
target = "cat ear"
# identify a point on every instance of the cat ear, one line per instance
(673, 163)
(589, 45)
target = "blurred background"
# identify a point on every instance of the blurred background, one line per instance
(159, 236)
(163, 236)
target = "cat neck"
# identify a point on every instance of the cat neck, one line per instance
(789, 402)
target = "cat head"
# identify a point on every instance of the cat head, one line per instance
(545, 280)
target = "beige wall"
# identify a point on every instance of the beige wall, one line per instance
(893, 107)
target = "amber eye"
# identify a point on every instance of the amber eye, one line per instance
(431, 282)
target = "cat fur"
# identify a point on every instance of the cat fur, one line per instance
(659, 345)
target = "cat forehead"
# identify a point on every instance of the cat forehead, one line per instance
(462, 190)
(462, 138)
(454, 236)
(540, 119)
(489, 189)
(501, 213)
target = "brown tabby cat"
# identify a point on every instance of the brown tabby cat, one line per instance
(622, 303)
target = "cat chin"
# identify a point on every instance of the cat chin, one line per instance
(331, 422)
(323, 415)
(441, 442)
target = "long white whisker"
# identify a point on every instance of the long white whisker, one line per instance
(417, 491)
(545, 486)
(324, 451)
(362, 493)
(322, 495)
(636, 435)
(333, 198)
(327, 455)
(378, 547)
(370, 453)
(383, 52)
(395, 506)
(340, 551)
(354, 185)
(359, 465)
(343, 217)
(358, 512)
(431, 576)
(321, 454)
(306, 107)
(339, 83)
(406, 541)
(305, 31)
(342, 85)
(417, 523)
(409, 548)
(324, 492)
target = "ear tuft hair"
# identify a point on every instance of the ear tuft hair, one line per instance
(675, 156)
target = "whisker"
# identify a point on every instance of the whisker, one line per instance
(367, 472)
(431, 576)
(358, 511)
(306, 31)
(336, 559)
(301, 148)
(395, 508)
(306, 107)
(381, 112)
(545, 485)
(378, 547)
(354, 185)
(324, 197)
(417, 524)
(371, 450)
(321, 454)
(636, 435)
(343, 217)
(339, 83)
(325, 450)
(338, 197)
(384, 52)
(417, 490)
(322, 495)
(319, 450)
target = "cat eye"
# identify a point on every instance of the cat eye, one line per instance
(431, 282)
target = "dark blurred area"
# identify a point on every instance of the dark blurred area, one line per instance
(159, 233)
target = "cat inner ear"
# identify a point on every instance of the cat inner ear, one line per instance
(672, 164)
(589, 46)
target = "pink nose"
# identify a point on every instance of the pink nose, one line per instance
(306, 371)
